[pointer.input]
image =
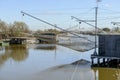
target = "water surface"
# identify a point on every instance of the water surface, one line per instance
(20, 61)
(44, 62)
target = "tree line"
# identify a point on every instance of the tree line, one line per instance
(19, 29)
(112, 30)
(15, 29)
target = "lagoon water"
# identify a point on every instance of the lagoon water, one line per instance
(49, 62)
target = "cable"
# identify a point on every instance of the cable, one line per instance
(88, 10)
(72, 27)
(51, 11)
(73, 74)
(110, 18)
(56, 26)
(67, 21)
(58, 9)
(110, 10)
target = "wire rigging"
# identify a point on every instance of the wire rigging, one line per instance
(66, 12)
(56, 26)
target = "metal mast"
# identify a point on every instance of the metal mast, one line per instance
(96, 21)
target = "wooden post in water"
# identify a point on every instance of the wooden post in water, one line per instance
(98, 61)
(108, 60)
(92, 61)
(104, 61)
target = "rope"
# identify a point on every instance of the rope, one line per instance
(56, 26)
(73, 74)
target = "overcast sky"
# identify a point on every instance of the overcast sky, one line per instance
(59, 12)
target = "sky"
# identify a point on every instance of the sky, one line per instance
(59, 12)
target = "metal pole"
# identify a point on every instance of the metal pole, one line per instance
(96, 14)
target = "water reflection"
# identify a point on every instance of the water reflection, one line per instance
(16, 52)
(19, 52)
(40, 64)
(79, 72)
(3, 57)
(46, 47)
(106, 74)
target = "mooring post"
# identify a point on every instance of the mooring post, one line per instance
(104, 61)
(92, 61)
(108, 62)
(118, 63)
(98, 61)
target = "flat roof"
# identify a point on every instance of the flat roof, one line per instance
(109, 34)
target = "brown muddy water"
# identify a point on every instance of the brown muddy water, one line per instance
(50, 62)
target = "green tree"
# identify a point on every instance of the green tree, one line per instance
(106, 29)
